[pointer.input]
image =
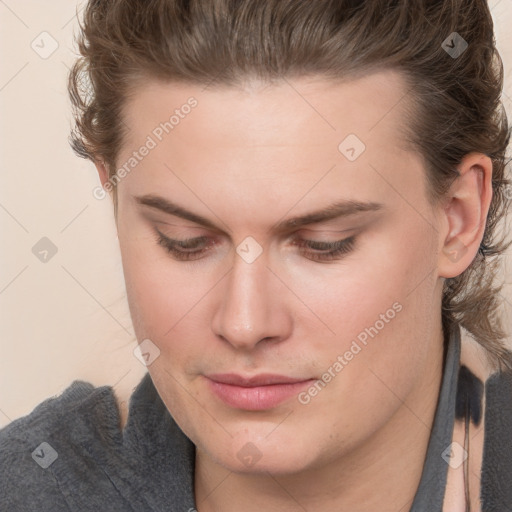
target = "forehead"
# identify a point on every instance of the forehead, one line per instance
(311, 110)
(273, 141)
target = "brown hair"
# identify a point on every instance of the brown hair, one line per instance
(456, 108)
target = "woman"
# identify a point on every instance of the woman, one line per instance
(306, 196)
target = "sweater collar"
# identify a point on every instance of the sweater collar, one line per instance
(430, 493)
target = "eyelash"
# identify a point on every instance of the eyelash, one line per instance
(331, 250)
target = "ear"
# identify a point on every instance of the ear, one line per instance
(465, 211)
(106, 185)
(102, 171)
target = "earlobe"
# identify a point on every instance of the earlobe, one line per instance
(466, 210)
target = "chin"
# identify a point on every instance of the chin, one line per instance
(251, 453)
(263, 462)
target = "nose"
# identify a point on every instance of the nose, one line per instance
(252, 306)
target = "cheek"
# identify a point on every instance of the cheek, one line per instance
(346, 298)
(372, 311)
(158, 295)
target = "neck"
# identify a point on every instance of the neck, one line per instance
(381, 474)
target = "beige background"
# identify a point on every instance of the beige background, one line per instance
(68, 318)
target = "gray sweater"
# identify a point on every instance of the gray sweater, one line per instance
(69, 453)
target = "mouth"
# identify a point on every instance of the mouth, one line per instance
(255, 393)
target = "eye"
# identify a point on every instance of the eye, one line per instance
(194, 248)
(184, 250)
(326, 251)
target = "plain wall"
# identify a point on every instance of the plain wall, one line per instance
(67, 318)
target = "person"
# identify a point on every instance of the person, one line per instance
(307, 197)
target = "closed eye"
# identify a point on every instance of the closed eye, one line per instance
(194, 248)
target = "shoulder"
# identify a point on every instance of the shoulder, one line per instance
(497, 451)
(486, 394)
(30, 446)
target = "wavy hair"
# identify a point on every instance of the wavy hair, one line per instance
(456, 109)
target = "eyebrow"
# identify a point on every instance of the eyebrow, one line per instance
(336, 210)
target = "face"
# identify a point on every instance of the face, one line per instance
(270, 340)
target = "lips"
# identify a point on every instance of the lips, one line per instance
(255, 393)
(264, 379)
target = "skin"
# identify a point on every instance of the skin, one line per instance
(246, 158)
